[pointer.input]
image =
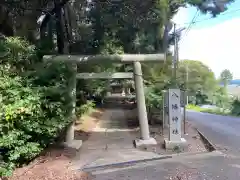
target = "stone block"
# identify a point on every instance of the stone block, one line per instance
(74, 144)
(174, 145)
(142, 142)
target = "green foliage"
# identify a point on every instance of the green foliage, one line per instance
(225, 77)
(199, 81)
(20, 116)
(225, 104)
(222, 98)
(200, 84)
(34, 104)
(85, 108)
(235, 107)
(153, 97)
(193, 107)
(200, 77)
(28, 120)
(219, 111)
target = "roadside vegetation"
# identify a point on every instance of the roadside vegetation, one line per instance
(207, 110)
(234, 109)
(34, 103)
(220, 100)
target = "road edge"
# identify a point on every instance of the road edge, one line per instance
(207, 143)
(122, 164)
(131, 163)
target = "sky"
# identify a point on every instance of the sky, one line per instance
(214, 41)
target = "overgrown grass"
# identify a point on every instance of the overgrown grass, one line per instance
(193, 107)
(85, 109)
(211, 111)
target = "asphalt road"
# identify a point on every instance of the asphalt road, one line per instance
(212, 166)
(222, 131)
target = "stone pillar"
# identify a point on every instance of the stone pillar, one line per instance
(141, 107)
(128, 91)
(163, 114)
(123, 91)
(69, 139)
(175, 121)
(70, 133)
(166, 120)
(165, 106)
(72, 100)
(184, 120)
(108, 93)
(109, 89)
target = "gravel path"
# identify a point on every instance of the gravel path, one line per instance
(111, 141)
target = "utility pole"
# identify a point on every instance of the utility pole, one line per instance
(185, 100)
(186, 84)
(175, 36)
(175, 56)
(175, 63)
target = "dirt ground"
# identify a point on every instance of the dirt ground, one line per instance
(195, 144)
(55, 162)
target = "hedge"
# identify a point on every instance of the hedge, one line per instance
(34, 103)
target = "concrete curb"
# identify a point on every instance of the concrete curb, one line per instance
(184, 154)
(134, 162)
(208, 144)
(122, 164)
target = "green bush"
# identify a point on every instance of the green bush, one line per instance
(235, 107)
(34, 103)
(153, 98)
(218, 111)
(30, 118)
(85, 108)
(193, 107)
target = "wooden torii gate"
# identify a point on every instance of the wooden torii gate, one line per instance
(72, 60)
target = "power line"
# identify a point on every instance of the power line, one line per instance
(226, 13)
(187, 30)
(193, 21)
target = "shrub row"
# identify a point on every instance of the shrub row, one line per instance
(33, 103)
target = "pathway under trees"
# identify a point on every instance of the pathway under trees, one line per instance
(64, 38)
(110, 142)
(139, 86)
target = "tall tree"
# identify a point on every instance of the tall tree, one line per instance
(201, 79)
(225, 77)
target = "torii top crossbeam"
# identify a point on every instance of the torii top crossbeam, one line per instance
(115, 58)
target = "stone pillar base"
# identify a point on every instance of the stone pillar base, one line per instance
(141, 142)
(74, 144)
(172, 145)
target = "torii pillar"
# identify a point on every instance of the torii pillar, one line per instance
(141, 107)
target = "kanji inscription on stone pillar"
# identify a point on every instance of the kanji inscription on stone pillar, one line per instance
(174, 114)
